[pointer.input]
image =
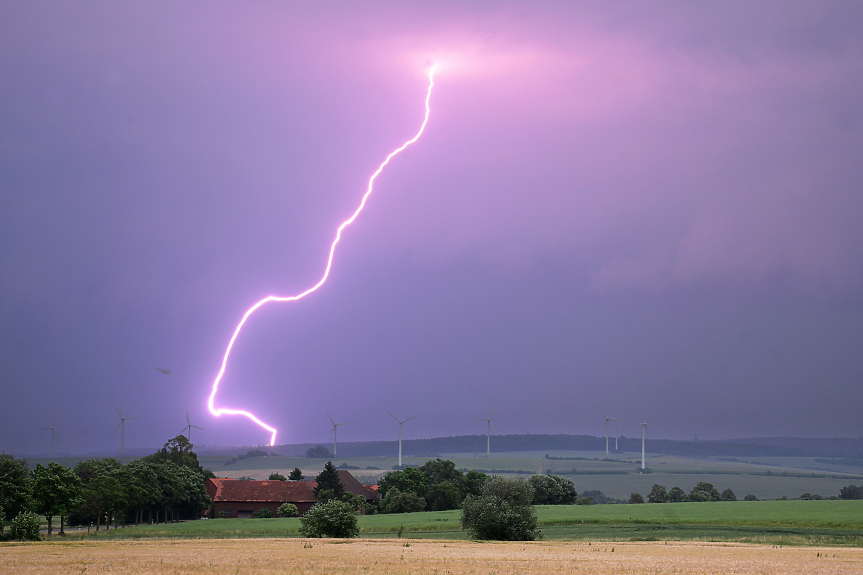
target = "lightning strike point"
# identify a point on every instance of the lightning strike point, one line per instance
(218, 411)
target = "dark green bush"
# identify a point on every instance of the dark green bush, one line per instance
(397, 501)
(332, 519)
(502, 512)
(288, 510)
(263, 513)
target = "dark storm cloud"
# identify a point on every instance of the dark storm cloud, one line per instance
(655, 207)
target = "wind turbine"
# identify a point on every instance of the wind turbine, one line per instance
(335, 434)
(400, 433)
(122, 426)
(188, 427)
(53, 435)
(488, 433)
(616, 433)
(643, 434)
(607, 419)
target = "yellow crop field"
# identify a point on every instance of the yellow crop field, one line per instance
(304, 556)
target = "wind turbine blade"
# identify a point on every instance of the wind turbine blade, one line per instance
(605, 415)
(196, 427)
(118, 411)
(394, 417)
(187, 417)
(492, 425)
(56, 422)
(492, 413)
(332, 431)
(408, 419)
(116, 429)
(130, 418)
(330, 418)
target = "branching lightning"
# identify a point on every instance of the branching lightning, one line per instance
(228, 411)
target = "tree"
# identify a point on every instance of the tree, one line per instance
(408, 480)
(56, 491)
(25, 527)
(288, 510)
(179, 452)
(473, 482)
(750, 497)
(635, 498)
(676, 495)
(397, 501)
(657, 494)
(319, 452)
(704, 491)
(728, 495)
(502, 512)
(296, 474)
(277, 477)
(332, 519)
(328, 480)
(851, 492)
(142, 489)
(443, 496)
(103, 492)
(552, 490)
(15, 489)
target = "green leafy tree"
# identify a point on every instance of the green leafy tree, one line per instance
(635, 498)
(443, 496)
(277, 477)
(851, 492)
(56, 491)
(552, 490)
(25, 527)
(408, 480)
(657, 494)
(142, 489)
(103, 492)
(15, 489)
(704, 491)
(750, 497)
(262, 513)
(332, 519)
(676, 495)
(397, 501)
(502, 512)
(328, 480)
(473, 482)
(728, 495)
(178, 451)
(288, 510)
(296, 474)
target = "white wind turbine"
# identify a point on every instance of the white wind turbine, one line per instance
(189, 426)
(616, 434)
(489, 427)
(335, 434)
(607, 419)
(400, 433)
(53, 435)
(122, 427)
(643, 435)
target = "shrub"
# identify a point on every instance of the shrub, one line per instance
(584, 501)
(397, 501)
(552, 490)
(657, 494)
(502, 512)
(277, 477)
(332, 519)
(263, 513)
(704, 491)
(728, 495)
(25, 527)
(635, 498)
(750, 497)
(288, 510)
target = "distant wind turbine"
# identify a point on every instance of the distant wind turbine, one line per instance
(643, 435)
(489, 427)
(188, 428)
(53, 435)
(335, 434)
(616, 433)
(400, 433)
(122, 427)
(607, 419)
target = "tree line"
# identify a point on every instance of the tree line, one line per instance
(164, 486)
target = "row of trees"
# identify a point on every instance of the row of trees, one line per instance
(166, 485)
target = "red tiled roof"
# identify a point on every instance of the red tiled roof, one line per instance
(268, 491)
(352, 485)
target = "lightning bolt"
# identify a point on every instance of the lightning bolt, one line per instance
(272, 298)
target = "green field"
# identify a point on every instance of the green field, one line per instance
(773, 522)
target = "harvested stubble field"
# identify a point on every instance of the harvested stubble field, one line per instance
(271, 556)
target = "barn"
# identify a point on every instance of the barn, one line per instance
(235, 498)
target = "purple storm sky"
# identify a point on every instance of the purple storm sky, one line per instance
(653, 207)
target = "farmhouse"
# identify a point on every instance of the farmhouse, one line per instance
(352, 485)
(234, 498)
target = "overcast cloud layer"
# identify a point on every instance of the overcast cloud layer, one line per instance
(655, 208)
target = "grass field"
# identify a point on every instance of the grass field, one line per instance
(374, 557)
(772, 522)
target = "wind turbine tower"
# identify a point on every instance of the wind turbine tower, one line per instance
(607, 419)
(400, 433)
(188, 428)
(643, 435)
(616, 434)
(53, 435)
(489, 427)
(335, 434)
(122, 426)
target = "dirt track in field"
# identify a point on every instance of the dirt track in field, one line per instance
(397, 556)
